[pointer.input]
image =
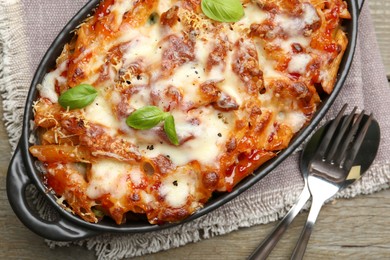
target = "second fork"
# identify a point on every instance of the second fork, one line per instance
(330, 167)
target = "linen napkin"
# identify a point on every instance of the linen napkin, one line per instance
(28, 27)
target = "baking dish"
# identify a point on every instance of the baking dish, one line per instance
(23, 170)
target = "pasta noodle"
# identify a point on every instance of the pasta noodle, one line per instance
(235, 94)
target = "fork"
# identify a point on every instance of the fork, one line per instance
(330, 166)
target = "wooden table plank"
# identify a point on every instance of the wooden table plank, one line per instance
(380, 10)
(347, 229)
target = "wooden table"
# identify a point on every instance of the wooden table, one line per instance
(380, 10)
(349, 229)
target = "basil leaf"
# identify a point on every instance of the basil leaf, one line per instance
(170, 130)
(78, 97)
(146, 117)
(223, 10)
(98, 213)
(149, 116)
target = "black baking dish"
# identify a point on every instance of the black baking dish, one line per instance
(23, 171)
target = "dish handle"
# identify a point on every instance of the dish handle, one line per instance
(58, 230)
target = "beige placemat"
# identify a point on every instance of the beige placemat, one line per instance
(28, 27)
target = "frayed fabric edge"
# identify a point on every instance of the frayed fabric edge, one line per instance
(13, 81)
(13, 46)
(117, 246)
(109, 246)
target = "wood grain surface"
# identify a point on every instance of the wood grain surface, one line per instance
(380, 10)
(358, 228)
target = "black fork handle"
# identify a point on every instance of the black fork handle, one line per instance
(58, 230)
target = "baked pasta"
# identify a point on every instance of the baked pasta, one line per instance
(179, 105)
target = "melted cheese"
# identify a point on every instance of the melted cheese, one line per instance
(100, 112)
(109, 177)
(126, 69)
(177, 188)
(310, 15)
(298, 63)
(207, 138)
(143, 45)
(301, 40)
(120, 7)
(47, 88)
(294, 119)
(293, 25)
(175, 195)
(253, 14)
